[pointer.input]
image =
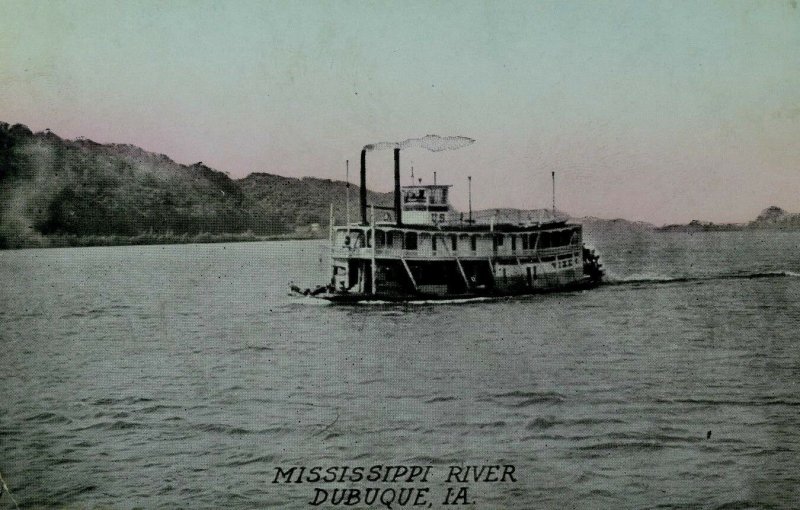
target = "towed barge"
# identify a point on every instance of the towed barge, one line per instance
(425, 250)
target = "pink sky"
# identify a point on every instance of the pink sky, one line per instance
(646, 110)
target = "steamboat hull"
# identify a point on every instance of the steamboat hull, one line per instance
(353, 299)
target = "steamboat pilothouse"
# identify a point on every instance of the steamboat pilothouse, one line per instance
(422, 249)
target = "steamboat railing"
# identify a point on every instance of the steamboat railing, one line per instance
(395, 253)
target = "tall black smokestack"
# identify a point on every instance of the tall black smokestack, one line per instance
(398, 210)
(363, 186)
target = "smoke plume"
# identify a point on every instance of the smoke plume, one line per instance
(433, 143)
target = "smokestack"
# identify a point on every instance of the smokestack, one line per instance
(398, 210)
(363, 186)
(469, 182)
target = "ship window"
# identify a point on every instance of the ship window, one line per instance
(532, 242)
(380, 238)
(524, 241)
(414, 196)
(544, 240)
(454, 242)
(473, 242)
(389, 239)
(411, 241)
(513, 243)
(433, 243)
(499, 240)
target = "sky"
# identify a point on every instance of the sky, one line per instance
(657, 111)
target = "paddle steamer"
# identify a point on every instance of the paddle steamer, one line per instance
(422, 249)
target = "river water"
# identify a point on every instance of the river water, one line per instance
(182, 376)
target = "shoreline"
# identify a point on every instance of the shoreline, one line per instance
(151, 239)
(691, 229)
(76, 241)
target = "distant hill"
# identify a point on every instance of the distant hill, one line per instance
(771, 218)
(305, 201)
(51, 187)
(509, 215)
(55, 192)
(58, 192)
(591, 223)
(702, 226)
(776, 218)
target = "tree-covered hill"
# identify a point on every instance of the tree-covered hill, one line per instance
(307, 200)
(55, 187)
(58, 192)
(774, 217)
(55, 191)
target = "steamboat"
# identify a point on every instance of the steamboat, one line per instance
(422, 249)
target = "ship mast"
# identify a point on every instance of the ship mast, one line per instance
(330, 234)
(374, 265)
(347, 186)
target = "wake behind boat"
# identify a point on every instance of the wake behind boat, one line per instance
(428, 251)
